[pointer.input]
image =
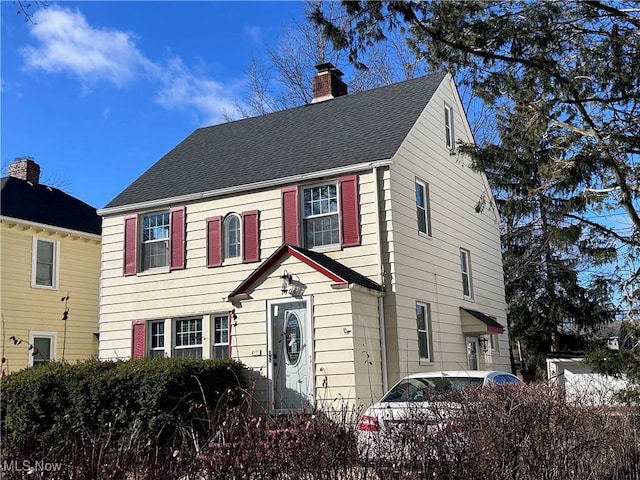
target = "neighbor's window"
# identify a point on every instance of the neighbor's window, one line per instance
(188, 338)
(465, 268)
(44, 270)
(423, 320)
(320, 215)
(423, 208)
(155, 240)
(220, 336)
(156, 348)
(448, 126)
(44, 345)
(232, 236)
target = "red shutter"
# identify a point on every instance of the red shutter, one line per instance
(251, 237)
(214, 241)
(177, 241)
(138, 339)
(290, 216)
(131, 245)
(350, 215)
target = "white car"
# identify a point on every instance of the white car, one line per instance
(418, 414)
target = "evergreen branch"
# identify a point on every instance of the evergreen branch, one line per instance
(601, 228)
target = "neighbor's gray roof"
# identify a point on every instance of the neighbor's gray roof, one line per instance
(356, 128)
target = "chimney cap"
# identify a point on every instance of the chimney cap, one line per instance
(328, 67)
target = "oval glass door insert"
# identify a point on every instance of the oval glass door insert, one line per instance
(293, 335)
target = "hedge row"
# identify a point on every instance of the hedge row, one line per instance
(95, 415)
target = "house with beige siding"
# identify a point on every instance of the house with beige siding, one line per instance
(50, 272)
(332, 247)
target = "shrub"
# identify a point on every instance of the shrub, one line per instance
(94, 417)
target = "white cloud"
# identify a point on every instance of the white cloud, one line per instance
(182, 89)
(65, 42)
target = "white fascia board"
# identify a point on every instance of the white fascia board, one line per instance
(135, 207)
(52, 228)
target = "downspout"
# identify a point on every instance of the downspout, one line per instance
(382, 325)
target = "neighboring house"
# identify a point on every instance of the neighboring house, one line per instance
(332, 247)
(580, 383)
(50, 249)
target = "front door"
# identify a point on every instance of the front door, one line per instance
(290, 354)
(472, 353)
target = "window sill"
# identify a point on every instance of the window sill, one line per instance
(425, 235)
(326, 248)
(425, 361)
(154, 271)
(232, 261)
(44, 287)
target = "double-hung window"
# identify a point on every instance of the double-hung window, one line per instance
(156, 344)
(320, 215)
(232, 236)
(465, 268)
(44, 270)
(188, 338)
(448, 126)
(43, 347)
(155, 240)
(423, 320)
(220, 336)
(423, 207)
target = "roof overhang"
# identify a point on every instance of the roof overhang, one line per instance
(51, 228)
(478, 323)
(241, 292)
(276, 182)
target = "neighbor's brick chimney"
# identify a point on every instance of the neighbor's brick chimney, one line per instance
(25, 168)
(328, 84)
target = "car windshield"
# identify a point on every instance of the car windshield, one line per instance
(419, 389)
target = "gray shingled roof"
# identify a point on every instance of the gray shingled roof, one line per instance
(49, 206)
(356, 128)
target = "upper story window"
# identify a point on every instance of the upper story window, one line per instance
(155, 240)
(187, 338)
(44, 263)
(320, 215)
(465, 268)
(423, 207)
(423, 320)
(448, 126)
(232, 236)
(220, 336)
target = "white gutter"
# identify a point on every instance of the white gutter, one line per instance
(135, 207)
(381, 320)
(383, 345)
(53, 228)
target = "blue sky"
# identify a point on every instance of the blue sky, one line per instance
(96, 92)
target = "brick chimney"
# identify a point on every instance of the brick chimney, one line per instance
(328, 84)
(25, 168)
